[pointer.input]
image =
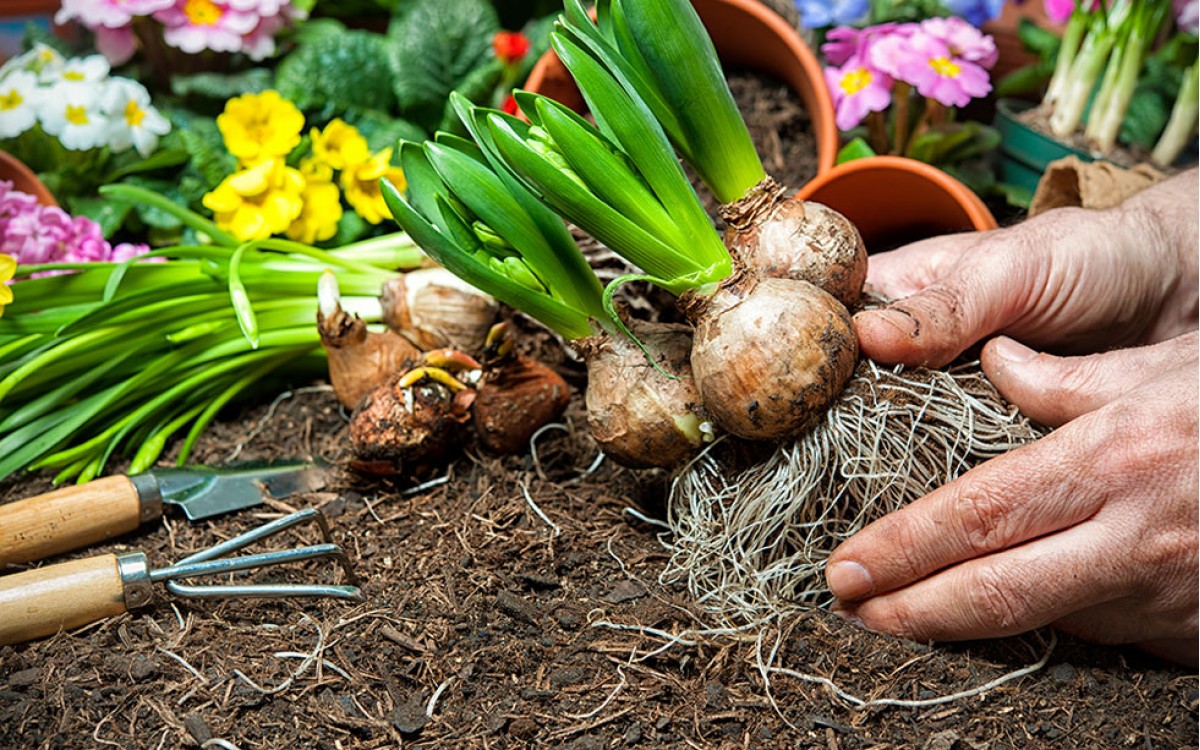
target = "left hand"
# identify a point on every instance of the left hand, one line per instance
(1093, 527)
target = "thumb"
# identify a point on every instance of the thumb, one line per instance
(1054, 390)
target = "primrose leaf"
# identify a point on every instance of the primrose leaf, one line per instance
(857, 148)
(345, 70)
(434, 48)
(222, 86)
(109, 214)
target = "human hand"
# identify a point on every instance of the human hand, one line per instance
(1072, 279)
(1093, 528)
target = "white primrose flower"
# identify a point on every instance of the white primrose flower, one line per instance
(71, 112)
(91, 70)
(40, 58)
(19, 98)
(132, 120)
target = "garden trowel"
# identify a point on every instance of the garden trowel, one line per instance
(73, 517)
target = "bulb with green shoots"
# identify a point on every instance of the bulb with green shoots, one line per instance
(769, 354)
(659, 52)
(476, 219)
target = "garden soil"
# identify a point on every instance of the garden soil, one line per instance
(516, 602)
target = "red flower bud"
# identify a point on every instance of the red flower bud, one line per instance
(510, 46)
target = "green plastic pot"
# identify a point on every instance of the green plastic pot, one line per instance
(1024, 152)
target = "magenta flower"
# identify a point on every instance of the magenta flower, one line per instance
(32, 233)
(846, 42)
(857, 90)
(1187, 15)
(936, 73)
(962, 39)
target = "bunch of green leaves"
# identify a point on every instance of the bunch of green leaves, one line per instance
(120, 358)
(477, 220)
(659, 53)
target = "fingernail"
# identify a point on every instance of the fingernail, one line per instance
(849, 580)
(847, 615)
(901, 320)
(1012, 350)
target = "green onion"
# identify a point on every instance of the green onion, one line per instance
(119, 358)
(1182, 122)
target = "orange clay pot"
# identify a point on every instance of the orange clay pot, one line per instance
(23, 179)
(746, 34)
(894, 200)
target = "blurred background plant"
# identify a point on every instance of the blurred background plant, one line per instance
(1119, 74)
(900, 73)
(193, 59)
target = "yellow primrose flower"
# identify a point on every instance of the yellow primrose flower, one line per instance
(339, 144)
(260, 126)
(257, 202)
(322, 211)
(361, 185)
(8, 266)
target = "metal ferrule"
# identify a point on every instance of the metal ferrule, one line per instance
(134, 570)
(149, 494)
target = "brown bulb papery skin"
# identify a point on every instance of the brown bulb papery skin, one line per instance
(770, 355)
(516, 398)
(361, 360)
(639, 417)
(393, 433)
(793, 239)
(433, 310)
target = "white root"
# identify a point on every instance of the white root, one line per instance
(751, 540)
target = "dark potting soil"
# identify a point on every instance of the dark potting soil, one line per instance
(515, 602)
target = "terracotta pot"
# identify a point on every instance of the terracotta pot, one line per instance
(894, 200)
(746, 34)
(23, 179)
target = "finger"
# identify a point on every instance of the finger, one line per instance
(1010, 499)
(968, 301)
(1054, 390)
(909, 269)
(999, 595)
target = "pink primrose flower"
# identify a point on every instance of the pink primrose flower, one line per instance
(846, 42)
(1187, 15)
(963, 40)
(928, 64)
(117, 45)
(196, 25)
(857, 90)
(110, 14)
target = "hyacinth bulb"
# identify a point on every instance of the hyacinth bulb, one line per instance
(517, 397)
(639, 416)
(435, 309)
(770, 355)
(402, 426)
(802, 240)
(359, 359)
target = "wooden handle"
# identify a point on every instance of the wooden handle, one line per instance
(67, 519)
(43, 601)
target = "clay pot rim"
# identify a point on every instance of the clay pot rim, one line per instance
(822, 115)
(24, 179)
(976, 210)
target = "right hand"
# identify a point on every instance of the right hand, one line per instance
(1071, 280)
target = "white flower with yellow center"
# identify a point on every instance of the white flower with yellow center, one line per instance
(72, 113)
(132, 119)
(19, 96)
(92, 70)
(38, 59)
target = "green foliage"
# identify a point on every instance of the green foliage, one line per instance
(344, 70)
(856, 148)
(434, 48)
(222, 86)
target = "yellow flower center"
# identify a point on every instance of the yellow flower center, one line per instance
(945, 67)
(77, 114)
(202, 12)
(11, 99)
(73, 75)
(134, 114)
(855, 81)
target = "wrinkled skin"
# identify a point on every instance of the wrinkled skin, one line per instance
(1094, 527)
